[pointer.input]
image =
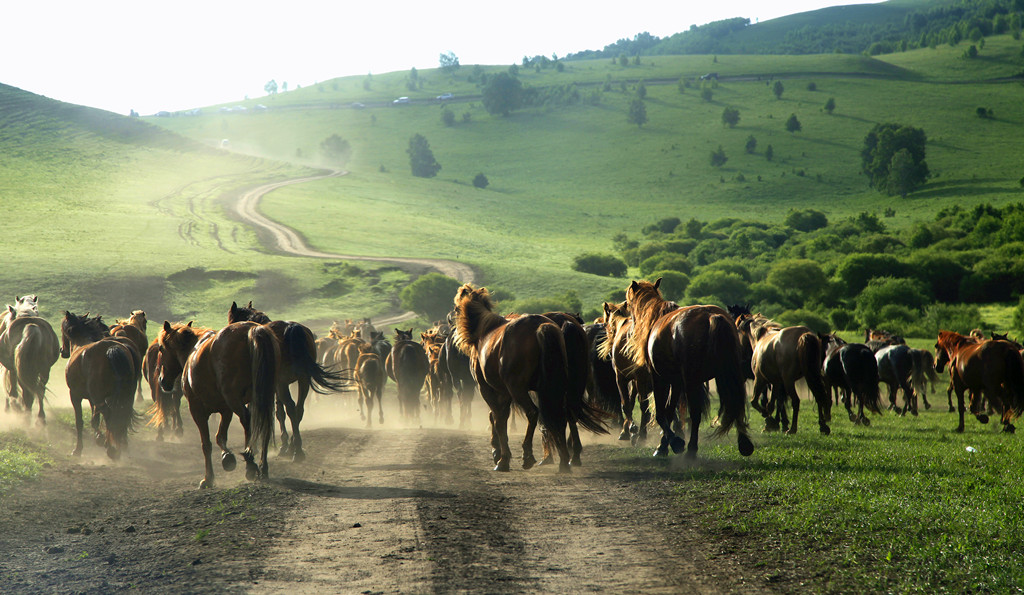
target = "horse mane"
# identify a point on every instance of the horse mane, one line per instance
(952, 341)
(475, 317)
(646, 306)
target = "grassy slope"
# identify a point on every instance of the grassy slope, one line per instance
(565, 180)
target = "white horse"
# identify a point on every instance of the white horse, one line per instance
(26, 305)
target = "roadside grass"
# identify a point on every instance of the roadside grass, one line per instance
(900, 506)
(20, 459)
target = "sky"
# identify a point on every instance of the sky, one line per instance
(151, 56)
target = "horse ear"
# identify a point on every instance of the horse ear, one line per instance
(250, 304)
(189, 325)
(167, 327)
(10, 308)
(234, 307)
(657, 283)
(634, 285)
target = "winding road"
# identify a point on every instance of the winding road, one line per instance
(285, 240)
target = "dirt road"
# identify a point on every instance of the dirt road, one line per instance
(382, 510)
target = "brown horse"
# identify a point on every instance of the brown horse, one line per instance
(439, 383)
(990, 369)
(165, 412)
(683, 348)
(408, 366)
(633, 382)
(783, 355)
(298, 365)
(230, 371)
(370, 377)
(104, 370)
(134, 329)
(28, 349)
(851, 369)
(511, 358)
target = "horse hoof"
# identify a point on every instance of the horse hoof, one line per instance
(113, 453)
(660, 453)
(496, 455)
(159, 437)
(101, 440)
(690, 455)
(789, 431)
(624, 435)
(1009, 429)
(825, 430)
(564, 468)
(746, 446)
(284, 452)
(251, 471)
(575, 462)
(502, 466)
(959, 430)
(853, 418)
(546, 461)
(677, 444)
(179, 432)
(299, 456)
(952, 409)
(865, 421)
(228, 461)
(529, 462)
(205, 484)
(983, 418)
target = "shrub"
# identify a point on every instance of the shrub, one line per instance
(430, 295)
(605, 265)
(448, 117)
(886, 291)
(727, 287)
(805, 219)
(842, 320)
(665, 261)
(673, 283)
(480, 181)
(718, 157)
(802, 317)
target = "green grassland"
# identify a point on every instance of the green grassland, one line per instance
(565, 179)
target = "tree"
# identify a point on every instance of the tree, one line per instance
(421, 158)
(805, 219)
(336, 148)
(641, 90)
(637, 113)
(270, 87)
(882, 143)
(751, 145)
(830, 105)
(731, 117)
(706, 94)
(449, 62)
(284, 87)
(718, 157)
(793, 125)
(777, 89)
(430, 296)
(901, 174)
(769, 153)
(480, 181)
(448, 117)
(605, 265)
(801, 277)
(503, 94)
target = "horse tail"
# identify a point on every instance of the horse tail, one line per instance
(1015, 379)
(25, 354)
(577, 351)
(263, 362)
(321, 380)
(554, 378)
(865, 380)
(809, 346)
(724, 350)
(918, 376)
(121, 416)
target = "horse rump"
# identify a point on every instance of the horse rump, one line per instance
(305, 364)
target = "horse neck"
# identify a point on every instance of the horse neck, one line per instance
(952, 342)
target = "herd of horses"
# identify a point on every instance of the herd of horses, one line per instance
(551, 369)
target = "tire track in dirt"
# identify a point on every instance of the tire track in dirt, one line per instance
(282, 239)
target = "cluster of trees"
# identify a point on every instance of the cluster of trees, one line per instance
(839, 275)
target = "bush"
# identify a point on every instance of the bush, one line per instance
(842, 320)
(802, 317)
(665, 261)
(605, 265)
(430, 295)
(718, 157)
(568, 302)
(805, 219)
(727, 287)
(480, 181)
(793, 124)
(448, 117)
(886, 291)
(673, 283)
(730, 117)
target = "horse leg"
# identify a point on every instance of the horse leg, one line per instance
(645, 417)
(531, 426)
(285, 408)
(76, 403)
(663, 415)
(379, 390)
(960, 409)
(794, 399)
(627, 400)
(202, 420)
(695, 398)
(366, 397)
(848, 402)
(98, 436)
(577, 446)
(179, 425)
(302, 391)
(500, 433)
(949, 395)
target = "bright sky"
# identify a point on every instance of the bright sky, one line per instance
(148, 56)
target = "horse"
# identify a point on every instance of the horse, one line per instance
(408, 366)
(923, 374)
(370, 375)
(133, 328)
(28, 349)
(992, 369)
(166, 408)
(851, 368)
(27, 305)
(895, 369)
(682, 348)
(781, 356)
(298, 365)
(511, 358)
(631, 381)
(461, 376)
(105, 370)
(439, 383)
(230, 371)
(601, 388)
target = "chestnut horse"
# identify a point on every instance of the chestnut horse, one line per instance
(632, 381)
(370, 375)
(990, 369)
(408, 366)
(298, 364)
(134, 328)
(104, 370)
(683, 348)
(511, 358)
(230, 371)
(165, 412)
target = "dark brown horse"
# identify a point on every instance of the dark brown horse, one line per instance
(783, 355)
(370, 377)
(165, 412)
(134, 329)
(632, 381)
(28, 349)
(105, 370)
(461, 377)
(230, 371)
(408, 366)
(683, 348)
(298, 364)
(439, 382)
(511, 358)
(990, 369)
(851, 369)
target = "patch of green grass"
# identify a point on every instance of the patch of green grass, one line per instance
(19, 460)
(901, 506)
